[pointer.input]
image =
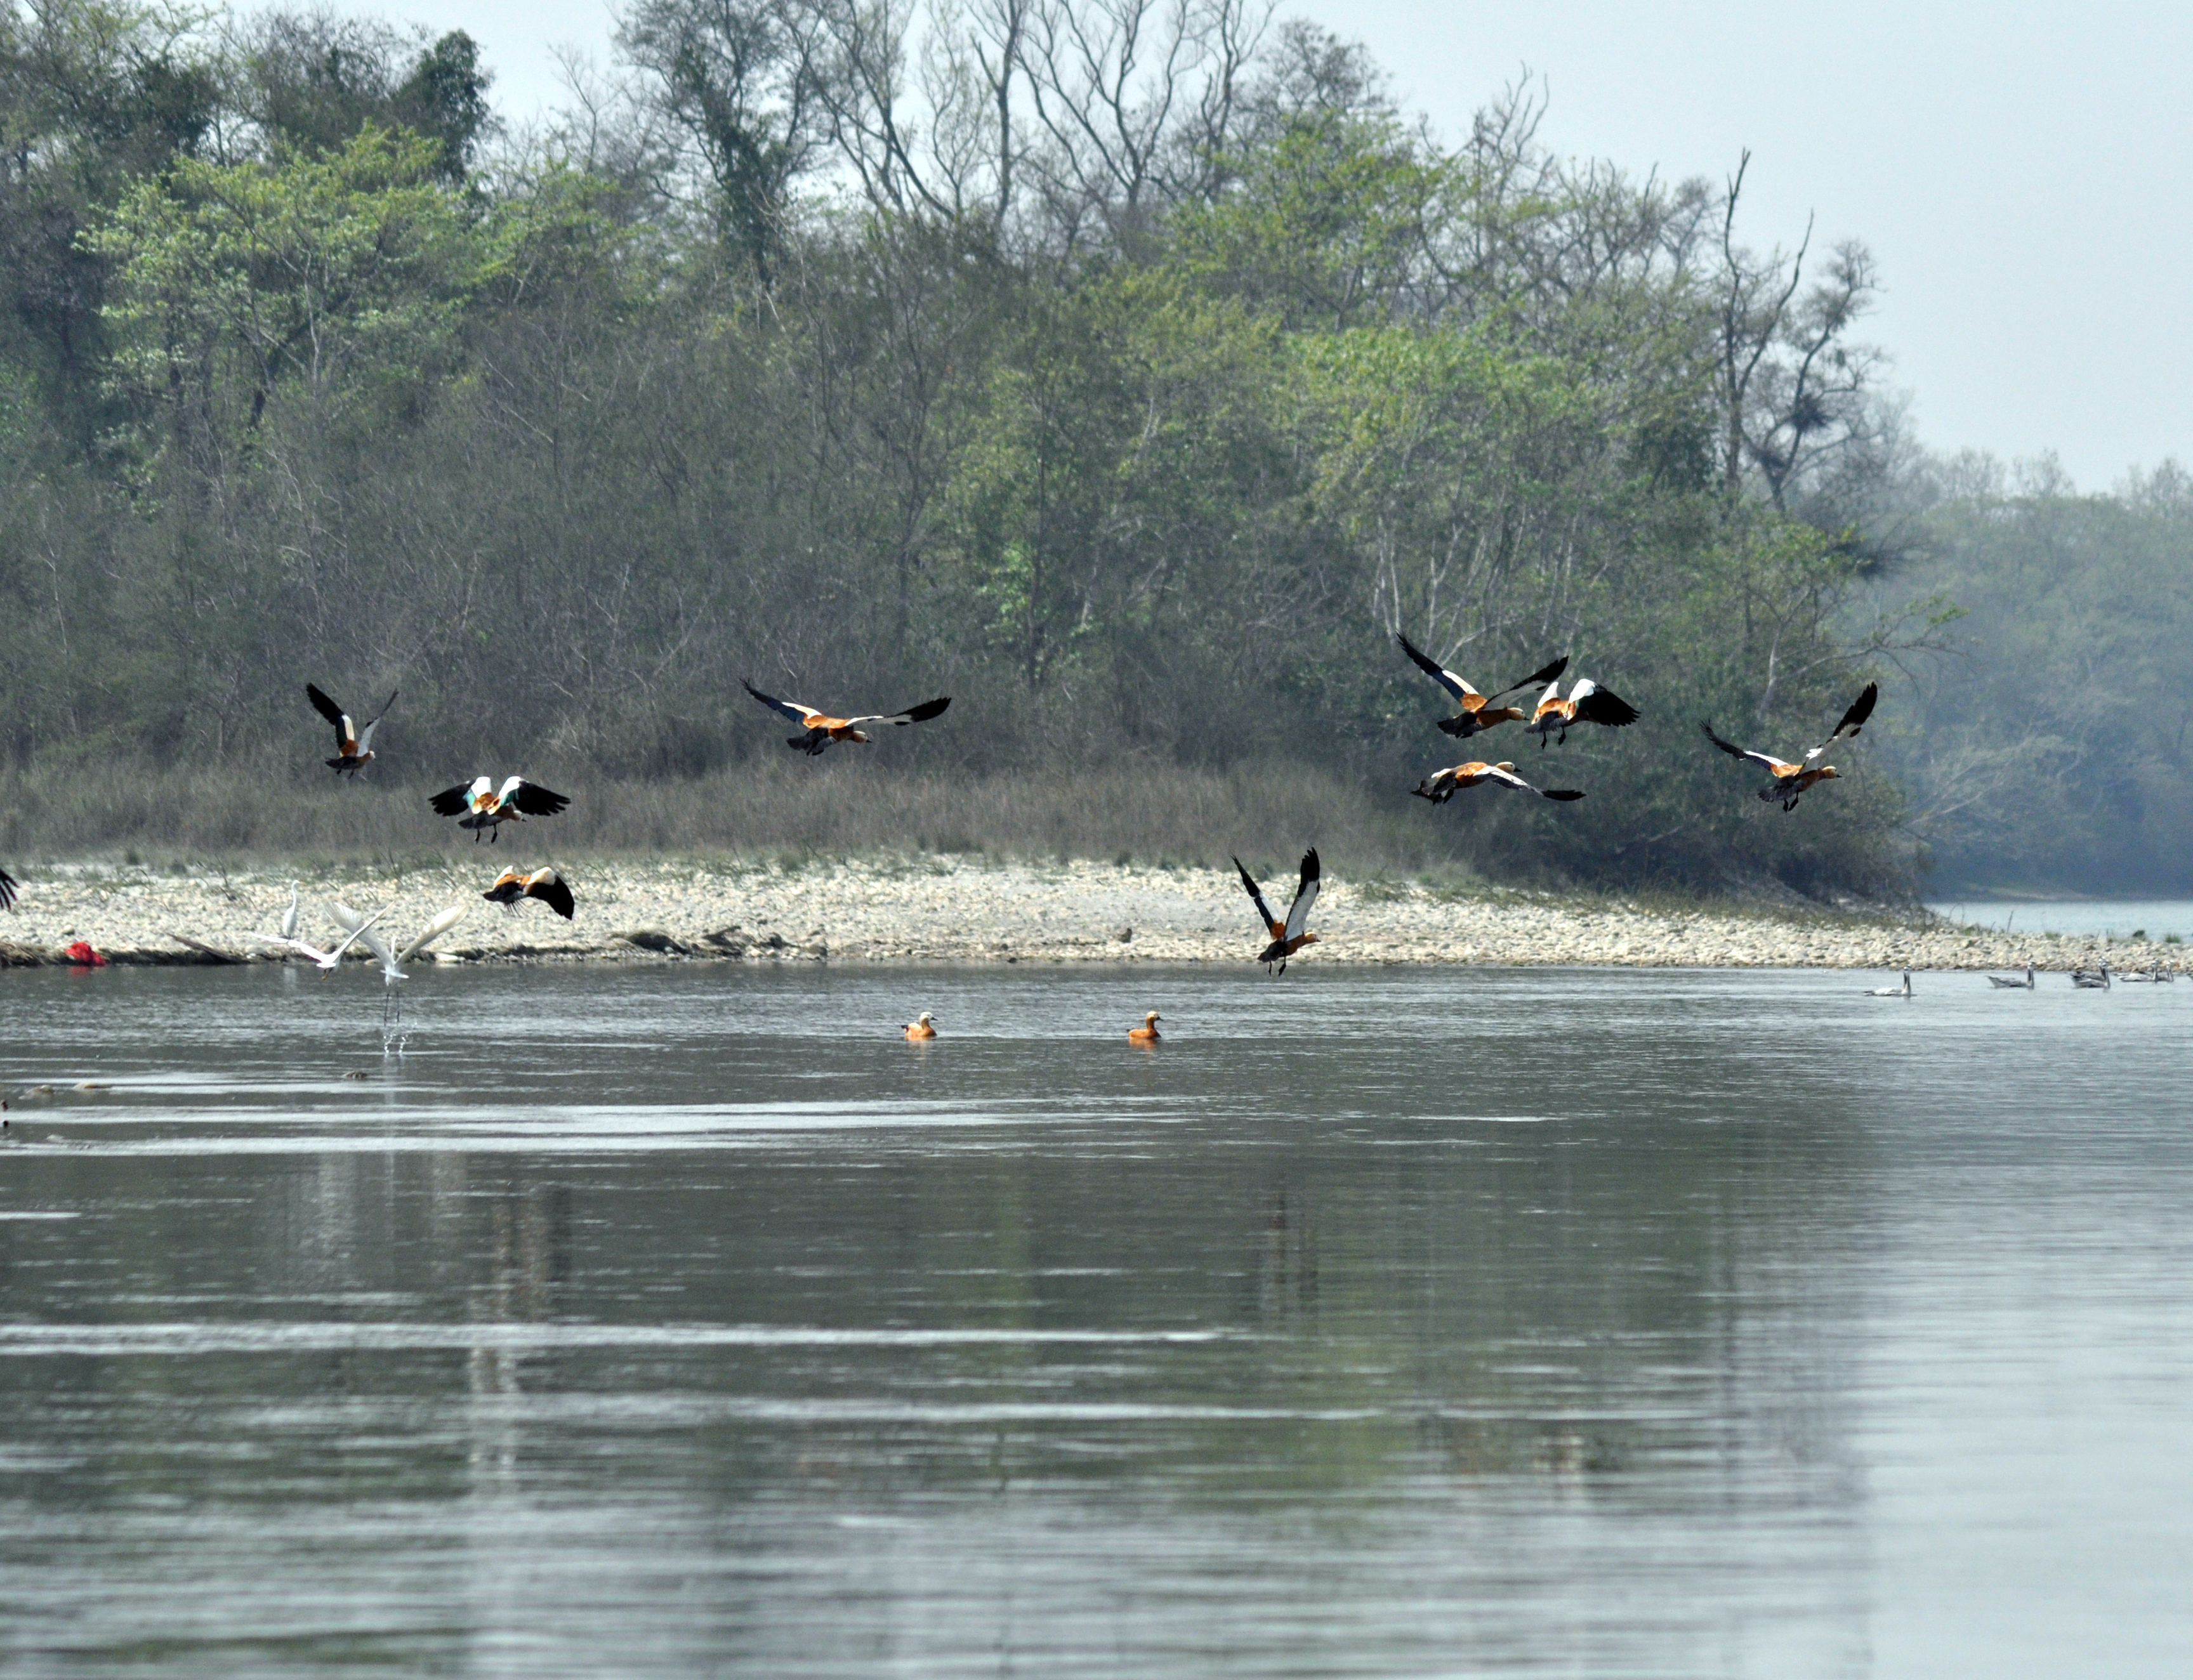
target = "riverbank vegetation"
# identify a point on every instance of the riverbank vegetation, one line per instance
(1130, 374)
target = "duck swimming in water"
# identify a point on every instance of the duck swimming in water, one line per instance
(918, 1028)
(1903, 991)
(2025, 985)
(1147, 1033)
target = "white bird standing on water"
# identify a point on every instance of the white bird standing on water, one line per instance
(392, 965)
(327, 960)
(1903, 991)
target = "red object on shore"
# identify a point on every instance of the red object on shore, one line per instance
(81, 956)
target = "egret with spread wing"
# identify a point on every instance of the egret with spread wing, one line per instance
(1791, 780)
(1287, 937)
(1445, 783)
(1478, 713)
(545, 884)
(484, 806)
(326, 960)
(391, 964)
(353, 745)
(820, 729)
(1588, 703)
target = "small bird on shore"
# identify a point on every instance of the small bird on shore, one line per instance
(2011, 984)
(1288, 937)
(1478, 713)
(391, 966)
(485, 806)
(820, 729)
(1588, 703)
(353, 745)
(1445, 783)
(1903, 991)
(325, 960)
(1791, 780)
(545, 884)
(9, 888)
(918, 1028)
(1147, 1033)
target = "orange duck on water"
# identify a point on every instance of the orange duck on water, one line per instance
(1288, 937)
(918, 1030)
(1147, 1033)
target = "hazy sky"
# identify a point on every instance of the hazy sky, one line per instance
(2020, 171)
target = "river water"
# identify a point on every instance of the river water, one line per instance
(681, 1321)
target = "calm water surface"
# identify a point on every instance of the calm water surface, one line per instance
(680, 1321)
(2117, 918)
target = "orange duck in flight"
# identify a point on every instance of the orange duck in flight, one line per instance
(485, 807)
(821, 729)
(1478, 713)
(353, 745)
(1588, 703)
(1444, 785)
(545, 884)
(1288, 937)
(1791, 780)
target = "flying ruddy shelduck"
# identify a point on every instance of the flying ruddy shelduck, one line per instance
(821, 729)
(1444, 785)
(545, 884)
(918, 1028)
(1588, 703)
(1791, 780)
(1147, 1033)
(1288, 936)
(327, 961)
(353, 745)
(1478, 713)
(391, 966)
(485, 806)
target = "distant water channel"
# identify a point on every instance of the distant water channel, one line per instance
(2094, 918)
(682, 1321)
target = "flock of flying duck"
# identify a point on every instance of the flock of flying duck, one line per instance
(483, 806)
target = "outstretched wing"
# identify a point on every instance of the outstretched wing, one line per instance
(328, 709)
(361, 929)
(434, 929)
(1470, 698)
(365, 735)
(8, 890)
(450, 801)
(1508, 778)
(533, 800)
(913, 714)
(1270, 921)
(1550, 673)
(1852, 720)
(547, 886)
(1595, 705)
(1305, 896)
(1735, 752)
(790, 710)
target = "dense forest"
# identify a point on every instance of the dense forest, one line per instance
(1129, 372)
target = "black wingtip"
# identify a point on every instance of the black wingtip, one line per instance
(927, 709)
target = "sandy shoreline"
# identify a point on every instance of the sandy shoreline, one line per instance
(940, 909)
